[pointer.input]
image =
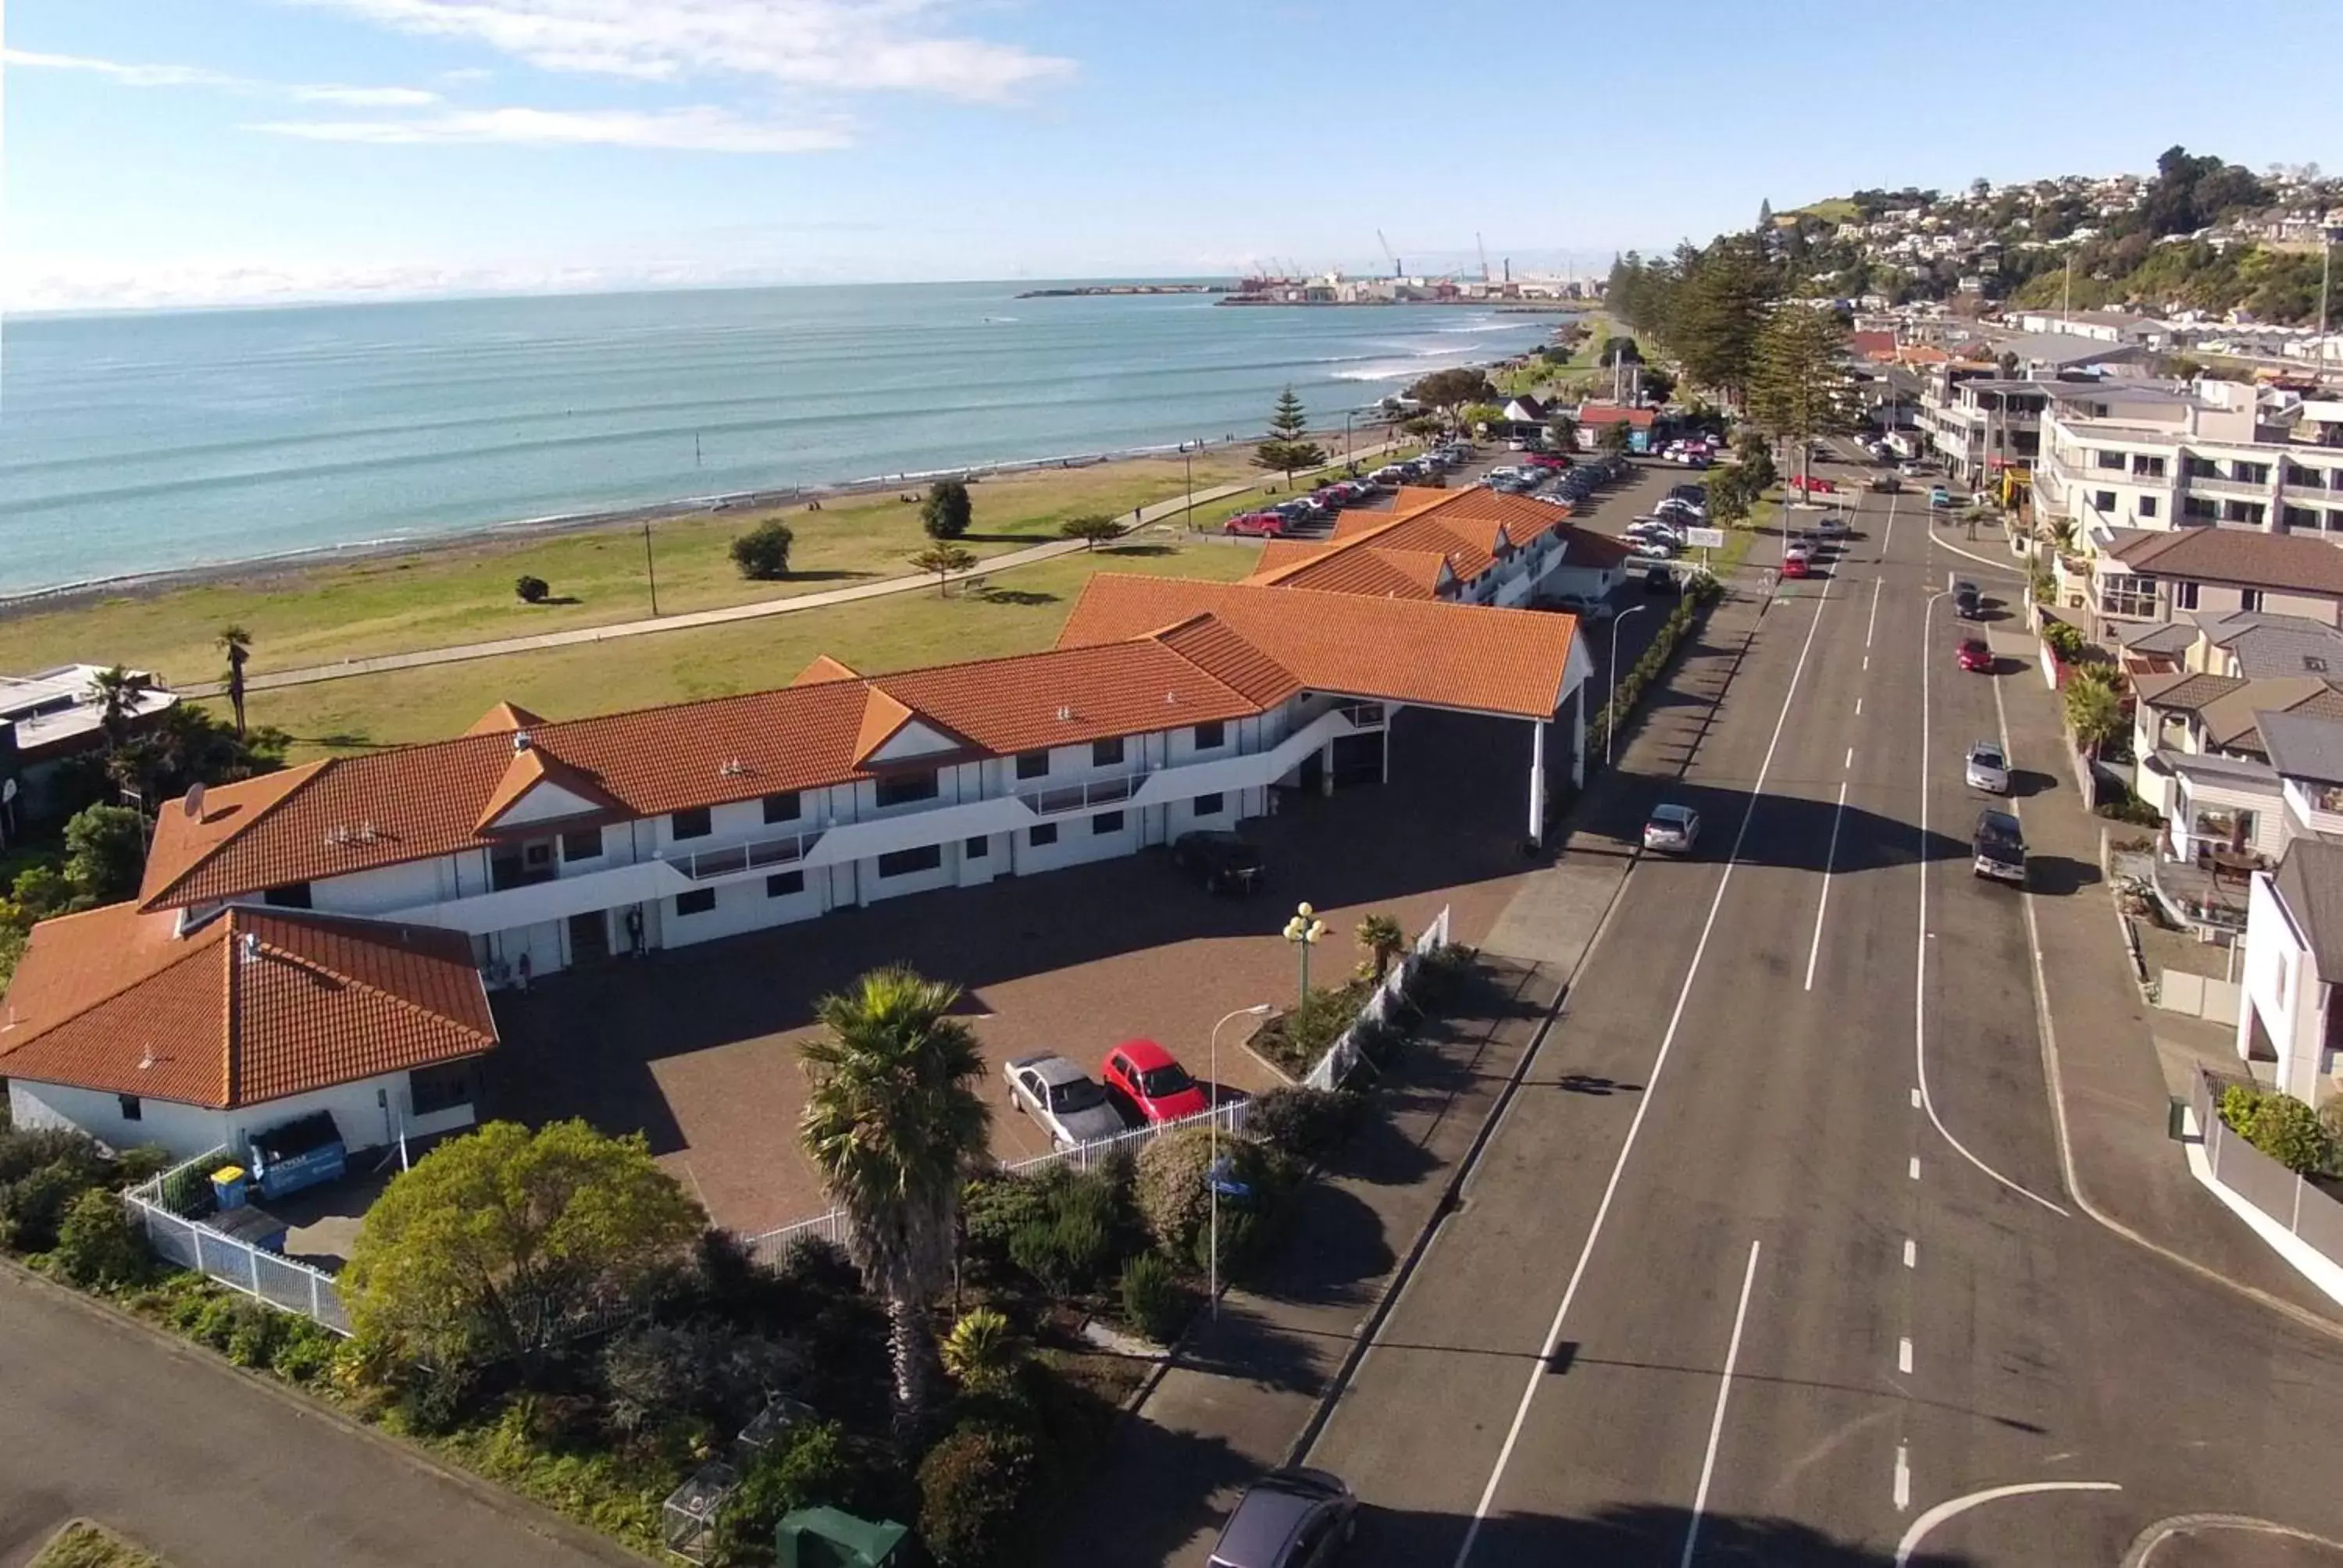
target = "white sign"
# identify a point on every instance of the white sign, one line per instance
(1706, 538)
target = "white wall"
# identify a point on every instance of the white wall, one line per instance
(386, 888)
(2281, 987)
(743, 906)
(188, 1130)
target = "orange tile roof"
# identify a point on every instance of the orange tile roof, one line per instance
(185, 838)
(1402, 650)
(529, 768)
(503, 719)
(1464, 527)
(252, 1006)
(822, 669)
(1068, 696)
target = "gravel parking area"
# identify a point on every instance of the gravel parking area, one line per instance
(696, 1048)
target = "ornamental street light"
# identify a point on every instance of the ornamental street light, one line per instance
(1213, 1177)
(1306, 930)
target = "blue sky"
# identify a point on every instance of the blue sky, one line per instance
(204, 151)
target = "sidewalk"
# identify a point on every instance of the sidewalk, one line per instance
(1244, 1389)
(2120, 1061)
(273, 680)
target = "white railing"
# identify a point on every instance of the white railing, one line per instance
(1343, 1056)
(772, 1245)
(1081, 797)
(185, 1240)
(758, 854)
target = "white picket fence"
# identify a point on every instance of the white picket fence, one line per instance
(185, 1240)
(770, 1246)
(1343, 1056)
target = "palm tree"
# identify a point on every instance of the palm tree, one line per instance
(1382, 940)
(237, 643)
(115, 693)
(2094, 707)
(893, 1121)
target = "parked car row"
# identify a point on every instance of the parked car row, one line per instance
(1145, 1086)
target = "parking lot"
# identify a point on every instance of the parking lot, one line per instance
(696, 1048)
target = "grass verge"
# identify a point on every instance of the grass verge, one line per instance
(82, 1544)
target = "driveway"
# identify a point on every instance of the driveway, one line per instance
(698, 1048)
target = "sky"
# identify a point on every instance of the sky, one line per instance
(173, 153)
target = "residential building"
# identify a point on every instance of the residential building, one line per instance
(1593, 418)
(49, 718)
(2215, 572)
(2207, 763)
(1980, 424)
(2120, 327)
(2286, 1014)
(1474, 546)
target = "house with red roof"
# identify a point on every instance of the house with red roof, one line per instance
(1595, 418)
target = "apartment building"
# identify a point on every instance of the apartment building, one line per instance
(2139, 574)
(1978, 424)
(1474, 546)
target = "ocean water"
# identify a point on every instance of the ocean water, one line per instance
(139, 442)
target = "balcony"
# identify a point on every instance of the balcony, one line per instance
(1081, 797)
(763, 853)
(2245, 489)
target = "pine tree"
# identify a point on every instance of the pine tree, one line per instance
(1285, 450)
(1287, 422)
(1796, 380)
(1765, 214)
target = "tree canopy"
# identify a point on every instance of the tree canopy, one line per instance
(943, 559)
(1452, 389)
(1093, 528)
(763, 552)
(105, 851)
(1285, 450)
(1797, 386)
(947, 511)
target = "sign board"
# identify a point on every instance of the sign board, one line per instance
(1706, 538)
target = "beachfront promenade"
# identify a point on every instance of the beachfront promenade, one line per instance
(910, 582)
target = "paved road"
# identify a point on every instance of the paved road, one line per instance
(99, 1418)
(1728, 1286)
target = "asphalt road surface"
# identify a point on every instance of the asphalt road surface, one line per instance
(1773, 1259)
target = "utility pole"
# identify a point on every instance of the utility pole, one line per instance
(650, 570)
(2067, 295)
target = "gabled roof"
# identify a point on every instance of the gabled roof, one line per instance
(2235, 720)
(1362, 567)
(2309, 882)
(503, 719)
(253, 1005)
(573, 792)
(1471, 657)
(822, 670)
(185, 838)
(2303, 744)
(2241, 557)
(2183, 691)
(1465, 528)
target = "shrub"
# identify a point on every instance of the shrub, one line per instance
(254, 1333)
(813, 1466)
(993, 1208)
(1296, 1039)
(136, 1167)
(982, 1351)
(97, 1244)
(1173, 1197)
(2133, 809)
(763, 552)
(1155, 1302)
(1069, 1249)
(435, 1402)
(700, 1370)
(1307, 1123)
(305, 1351)
(1441, 976)
(2066, 641)
(972, 1485)
(42, 1171)
(532, 591)
(1242, 1231)
(819, 1266)
(2280, 1126)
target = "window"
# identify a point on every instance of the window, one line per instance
(2201, 508)
(904, 789)
(2334, 521)
(1106, 753)
(1032, 765)
(2147, 505)
(1208, 805)
(2304, 478)
(1107, 822)
(2184, 596)
(1043, 836)
(2103, 500)
(784, 806)
(2203, 469)
(784, 884)
(691, 823)
(2251, 473)
(292, 896)
(976, 850)
(583, 844)
(2299, 516)
(2146, 466)
(131, 1109)
(1211, 736)
(2249, 599)
(699, 901)
(441, 1088)
(2112, 460)
(2244, 512)
(909, 862)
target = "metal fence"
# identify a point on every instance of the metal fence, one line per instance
(172, 1224)
(1343, 1056)
(772, 1245)
(2307, 1211)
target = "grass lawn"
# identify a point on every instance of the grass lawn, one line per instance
(464, 593)
(1837, 209)
(1018, 612)
(82, 1544)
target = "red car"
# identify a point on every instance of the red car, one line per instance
(1154, 1081)
(1795, 566)
(1976, 655)
(1548, 460)
(1266, 524)
(1811, 485)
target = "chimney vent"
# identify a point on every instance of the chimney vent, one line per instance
(521, 742)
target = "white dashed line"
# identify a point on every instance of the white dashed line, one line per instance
(1716, 1425)
(1858, 708)
(1916, 1100)
(1821, 906)
(1903, 1477)
(1850, 758)
(1904, 1355)
(1911, 1254)
(1916, 1167)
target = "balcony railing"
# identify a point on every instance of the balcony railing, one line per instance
(782, 852)
(1364, 715)
(1081, 797)
(2250, 489)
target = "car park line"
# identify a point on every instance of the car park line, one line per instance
(1539, 1371)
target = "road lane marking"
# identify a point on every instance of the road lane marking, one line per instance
(1911, 1254)
(1888, 536)
(1903, 1477)
(1821, 906)
(1916, 1167)
(1538, 1371)
(1717, 1423)
(1867, 661)
(1858, 708)
(1959, 1506)
(1920, 971)
(1850, 758)
(1872, 625)
(1904, 1355)
(1916, 1100)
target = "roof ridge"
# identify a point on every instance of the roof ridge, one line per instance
(1247, 643)
(318, 770)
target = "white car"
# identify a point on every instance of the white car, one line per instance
(1988, 768)
(1797, 549)
(1653, 548)
(1070, 1104)
(1833, 526)
(1672, 830)
(1677, 506)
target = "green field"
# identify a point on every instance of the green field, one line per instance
(1017, 612)
(1837, 209)
(82, 1544)
(464, 593)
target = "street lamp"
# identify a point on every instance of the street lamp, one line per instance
(1306, 930)
(1611, 726)
(1346, 437)
(1213, 1166)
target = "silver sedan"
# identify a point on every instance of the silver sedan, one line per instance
(1988, 768)
(1067, 1102)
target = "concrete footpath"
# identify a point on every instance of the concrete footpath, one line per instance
(2119, 1061)
(1246, 1389)
(459, 653)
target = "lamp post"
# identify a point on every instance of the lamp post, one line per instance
(1213, 1166)
(1306, 930)
(1611, 726)
(1346, 435)
(1188, 467)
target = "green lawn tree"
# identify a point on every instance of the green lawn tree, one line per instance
(492, 1242)
(762, 553)
(1728, 496)
(1795, 384)
(1617, 436)
(1093, 528)
(236, 643)
(947, 511)
(1481, 418)
(1286, 448)
(1447, 391)
(105, 851)
(943, 559)
(894, 1121)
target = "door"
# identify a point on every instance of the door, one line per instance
(1359, 759)
(589, 938)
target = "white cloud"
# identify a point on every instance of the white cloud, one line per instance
(697, 129)
(463, 75)
(366, 98)
(129, 75)
(843, 45)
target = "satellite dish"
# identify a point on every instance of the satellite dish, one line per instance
(7, 791)
(195, 804)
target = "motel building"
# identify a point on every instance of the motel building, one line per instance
(341, 921)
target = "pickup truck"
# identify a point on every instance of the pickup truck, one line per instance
(1999, 848)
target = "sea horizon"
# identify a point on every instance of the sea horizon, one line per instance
(139, 442)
